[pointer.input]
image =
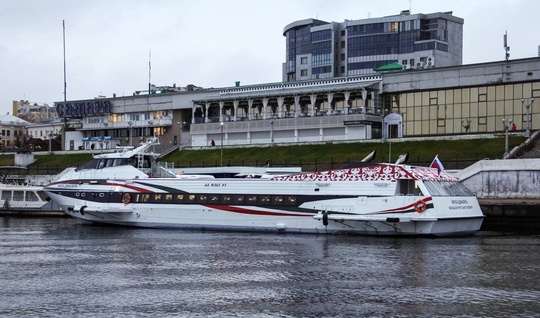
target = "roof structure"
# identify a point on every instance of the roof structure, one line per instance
(9, 119)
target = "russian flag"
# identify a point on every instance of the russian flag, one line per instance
(437, 164)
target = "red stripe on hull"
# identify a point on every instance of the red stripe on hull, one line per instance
(236, 209)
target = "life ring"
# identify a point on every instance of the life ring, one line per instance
(420, 206)
(126, 198)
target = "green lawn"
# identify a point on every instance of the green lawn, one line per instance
(453, 154)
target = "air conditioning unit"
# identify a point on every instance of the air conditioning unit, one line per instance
(420, 65)
(430, 61)
(406, 66)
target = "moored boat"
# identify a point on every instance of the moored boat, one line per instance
(370, 199)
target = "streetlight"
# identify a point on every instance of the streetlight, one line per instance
(506, 122)
(528, 104)
(221, 144)
(383, 113)
(49, 134)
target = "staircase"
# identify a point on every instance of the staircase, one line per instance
(527, 150)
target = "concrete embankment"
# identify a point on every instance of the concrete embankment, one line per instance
(511, 214)
(508, 192)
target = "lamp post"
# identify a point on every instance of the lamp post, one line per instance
(221, 144)
(527, 103)
(49, 135)
(130, 124)
(383, 113)
(506, 122)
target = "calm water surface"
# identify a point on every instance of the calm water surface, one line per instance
(51, 267)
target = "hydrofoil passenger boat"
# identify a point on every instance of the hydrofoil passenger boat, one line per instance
(370, 199)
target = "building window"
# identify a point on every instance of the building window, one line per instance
(343, 56)
(303, 73)
(342, 44)
(303, 60)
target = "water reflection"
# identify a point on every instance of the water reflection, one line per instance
(54, 267)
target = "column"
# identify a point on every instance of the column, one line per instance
(364, 99)
(221, 104)
(206, 112)
(330, 97)
(265, 105)
(346, 106)
(313, 99)
(280, 102)
(250, 104)
(193, 108)
(235, 106)
(296, 105)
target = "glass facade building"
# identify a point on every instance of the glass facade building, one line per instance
(318, 49)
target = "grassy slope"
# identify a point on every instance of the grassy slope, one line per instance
(420, 152)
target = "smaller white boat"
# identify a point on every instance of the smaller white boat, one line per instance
(22, 197)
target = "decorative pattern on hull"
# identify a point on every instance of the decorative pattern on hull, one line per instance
(379, 172)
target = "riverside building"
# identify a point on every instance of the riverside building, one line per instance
(443, 99)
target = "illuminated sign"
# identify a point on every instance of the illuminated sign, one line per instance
(80, 109)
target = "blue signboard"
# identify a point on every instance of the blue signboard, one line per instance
(80, 109)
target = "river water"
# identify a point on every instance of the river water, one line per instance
(52, 267)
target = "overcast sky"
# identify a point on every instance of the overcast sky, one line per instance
(206, 43)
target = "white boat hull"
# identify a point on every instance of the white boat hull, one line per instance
(375, 200)
(257, 219)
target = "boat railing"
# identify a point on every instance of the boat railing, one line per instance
(163, 170)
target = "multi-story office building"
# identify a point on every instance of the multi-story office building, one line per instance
(317, 49)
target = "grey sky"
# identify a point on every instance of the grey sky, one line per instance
(207, 43)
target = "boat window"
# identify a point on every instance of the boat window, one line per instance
(110, 162)
(168, 198)
(191, 198)
(31, 196)
(121, 162)
(291, 200)
(264, 199)
(278, 200)
(42, 195)
(101, 163)
(157, 197)
(251, 199)
(179, 198)
(92, 164)
(447, 189)
(203, 198)
(18, 195)
(6, 195)
(226, 199)
(143, 197)
(408, 187)
(238, 199)
(214, 198)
